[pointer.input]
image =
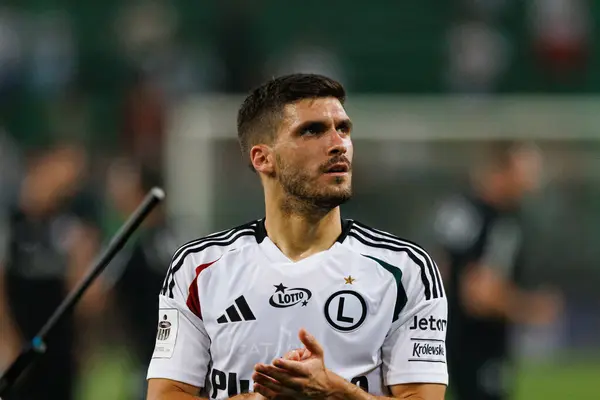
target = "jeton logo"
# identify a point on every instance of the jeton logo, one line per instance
(286, 297)
(428, 324)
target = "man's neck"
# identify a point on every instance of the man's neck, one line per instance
(300, 236)
(32, 203)
(493, 196)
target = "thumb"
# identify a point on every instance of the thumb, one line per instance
(310, 343)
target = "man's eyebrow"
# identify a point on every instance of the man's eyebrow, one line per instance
(346, 122)
(315, 122)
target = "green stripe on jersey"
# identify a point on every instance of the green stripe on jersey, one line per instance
(401, 298)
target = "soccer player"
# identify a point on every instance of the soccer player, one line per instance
(50, 239)
(366, 309)
(481, 236)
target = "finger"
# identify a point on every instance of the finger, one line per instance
(294, 367)
(305, 355)
(292, 355)
(264, 391)
(271, 384)
(311, 343)
(280, 375)
(302, 354)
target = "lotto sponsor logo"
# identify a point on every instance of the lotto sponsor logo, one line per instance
(428, 350)
(428, 324)
(286, 297)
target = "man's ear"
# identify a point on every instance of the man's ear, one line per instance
(262, 159)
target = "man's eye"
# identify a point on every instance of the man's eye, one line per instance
(344, 129)
(312, 130)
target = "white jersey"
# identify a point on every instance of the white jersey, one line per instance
(231, 300)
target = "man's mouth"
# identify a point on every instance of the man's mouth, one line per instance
(341, 168)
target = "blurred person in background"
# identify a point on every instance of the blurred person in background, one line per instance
(50, 238)
(10, 169)
(143, 133)
(480, 235)
(138, 272)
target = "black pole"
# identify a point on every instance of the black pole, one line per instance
(37, 347)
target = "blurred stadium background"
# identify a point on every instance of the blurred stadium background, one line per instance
(429, 82)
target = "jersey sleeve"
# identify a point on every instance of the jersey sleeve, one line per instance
(182, 345)
(414, 350)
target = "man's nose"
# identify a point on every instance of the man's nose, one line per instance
(338, 145)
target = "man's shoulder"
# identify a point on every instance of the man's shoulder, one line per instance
(223, 240)
(363, 237)
(459, 220)
(196, 255)
(412, 260)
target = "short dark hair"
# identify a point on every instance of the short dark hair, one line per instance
(257, 117)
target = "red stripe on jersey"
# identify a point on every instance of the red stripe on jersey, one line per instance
(193, 300)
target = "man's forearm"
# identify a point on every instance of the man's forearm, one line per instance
(510, 302)
(344, 390)
(187, 396)
(11, 339)
(176, 396)
(341, 389)
(485, 293)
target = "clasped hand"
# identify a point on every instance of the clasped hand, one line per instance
(298, 374)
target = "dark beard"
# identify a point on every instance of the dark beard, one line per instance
(303, 198)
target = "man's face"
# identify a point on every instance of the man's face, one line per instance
(59, 172)
(313, 152)
(123, 187)
(526, 172)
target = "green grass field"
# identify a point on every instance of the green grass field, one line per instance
(571, 378)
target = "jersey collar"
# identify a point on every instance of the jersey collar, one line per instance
(261, 231)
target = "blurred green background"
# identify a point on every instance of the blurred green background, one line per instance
(430, 81)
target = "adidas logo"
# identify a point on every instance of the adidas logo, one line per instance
(236, 314)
